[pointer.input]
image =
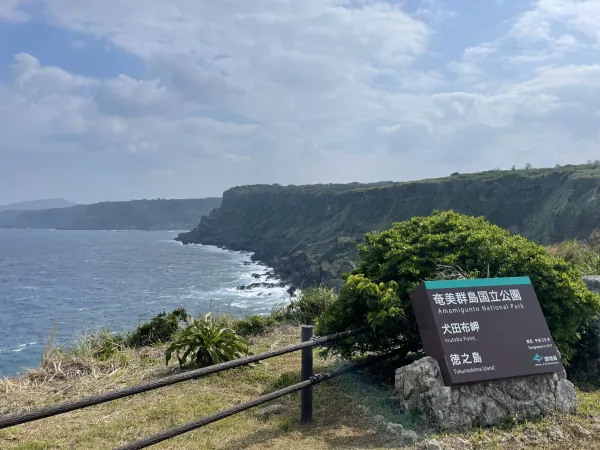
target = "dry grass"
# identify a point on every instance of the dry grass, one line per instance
(349, 412)
(583, 255)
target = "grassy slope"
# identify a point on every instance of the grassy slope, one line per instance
(345, 409)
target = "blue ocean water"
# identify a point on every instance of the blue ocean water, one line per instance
(79, 281)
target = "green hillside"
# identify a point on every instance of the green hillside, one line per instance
(130, 215)
(309, 233)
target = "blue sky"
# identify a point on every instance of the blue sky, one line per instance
(72, 52)
(120, 99)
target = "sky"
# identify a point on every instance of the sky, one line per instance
(119, 99)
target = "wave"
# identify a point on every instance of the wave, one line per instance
(21, 347)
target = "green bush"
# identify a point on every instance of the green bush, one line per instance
(253, 325)
(310, 305)
(101, 345)
(395, 261)
(204, 342)
(159, 330)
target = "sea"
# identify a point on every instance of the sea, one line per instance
(76, 282)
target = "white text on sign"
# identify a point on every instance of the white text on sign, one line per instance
(463, 298)
(466, 358)
(460, 327)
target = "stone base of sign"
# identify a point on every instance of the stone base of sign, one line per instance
(421, 391)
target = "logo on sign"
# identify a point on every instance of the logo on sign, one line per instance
(538, 358)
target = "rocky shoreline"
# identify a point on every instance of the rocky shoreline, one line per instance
(276, 277)
(270, 275)
(301, 270)
(297, 269)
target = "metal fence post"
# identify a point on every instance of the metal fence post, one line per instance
(306, 406)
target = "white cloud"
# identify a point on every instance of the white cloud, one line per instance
(304, 60)
(10, 11)
(557, 102)
(290, 91)
(549, 32)
(125, 96)
(36, 81)
(469, 68)
(50, 110)
(433, 10)
(549, 17)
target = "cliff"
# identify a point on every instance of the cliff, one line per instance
(309, 233)
(130, 215)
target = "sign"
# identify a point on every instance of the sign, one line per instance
(484, 329)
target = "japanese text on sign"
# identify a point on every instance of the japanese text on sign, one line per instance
(538, 340)
(462, 298)
(462, 327)
(466, 358)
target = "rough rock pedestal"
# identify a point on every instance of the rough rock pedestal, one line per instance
(421, 391)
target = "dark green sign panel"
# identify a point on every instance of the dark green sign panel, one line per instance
(484, 329)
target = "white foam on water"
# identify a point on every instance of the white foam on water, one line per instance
(19, 348)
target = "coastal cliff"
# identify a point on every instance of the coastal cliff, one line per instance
(309, 233)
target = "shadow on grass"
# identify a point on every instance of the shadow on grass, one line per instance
(332, 438)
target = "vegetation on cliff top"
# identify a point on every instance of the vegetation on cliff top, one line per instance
(132, 215)
(309, 233)
(393, 262)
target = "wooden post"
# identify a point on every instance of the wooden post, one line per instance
(306, 407)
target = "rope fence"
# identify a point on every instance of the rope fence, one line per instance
(61, 408)
(309, 379)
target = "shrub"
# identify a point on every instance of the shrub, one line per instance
(253, 325)
(159, 330)
(395, 261)
(310, 305)
(594, 240)
(204, 343)
(101, 345)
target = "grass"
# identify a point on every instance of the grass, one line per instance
(349, 412)
(310, 304)
(112, 424)
(581, 253)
